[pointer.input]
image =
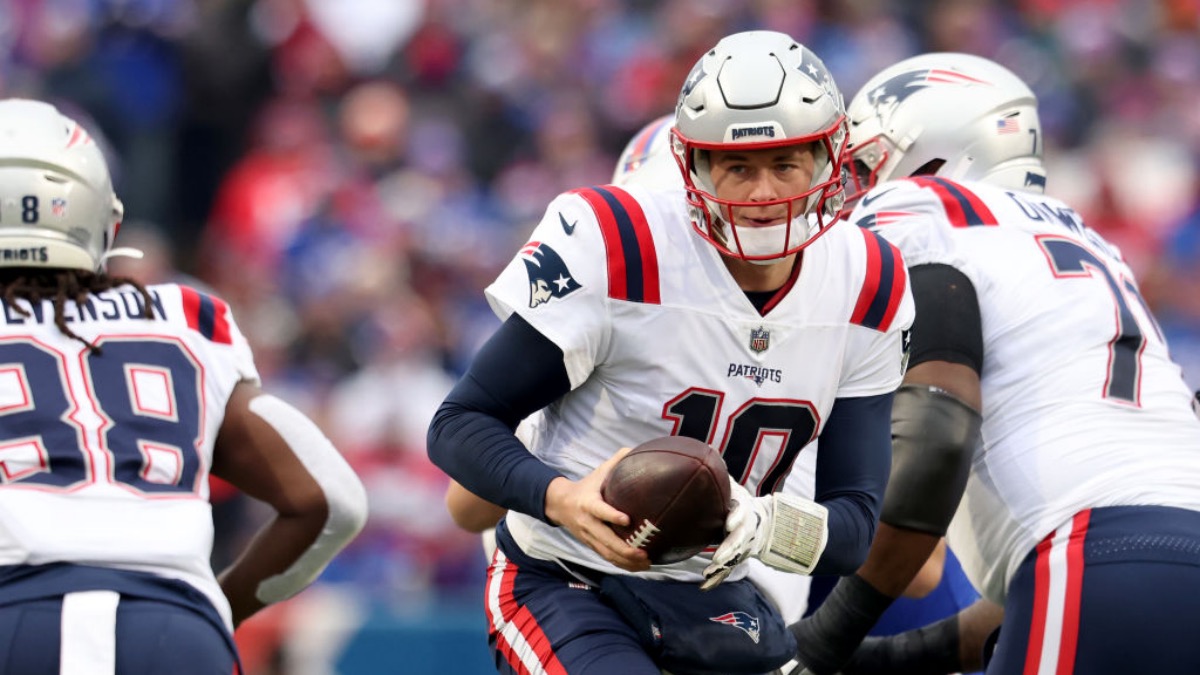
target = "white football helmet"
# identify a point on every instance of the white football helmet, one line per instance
(947, 114)
(756, 90)
(647, 158)
(57, 206)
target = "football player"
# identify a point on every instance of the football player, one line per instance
(1082, 503)
(736, 311)
(118, 401)
(645, 160)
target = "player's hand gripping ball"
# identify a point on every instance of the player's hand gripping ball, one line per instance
(675, 491)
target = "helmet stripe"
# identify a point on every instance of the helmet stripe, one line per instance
(78, 135)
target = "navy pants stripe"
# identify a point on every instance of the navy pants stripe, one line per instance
(543, 620)
(1114, 590)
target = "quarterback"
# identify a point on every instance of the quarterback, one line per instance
(736, 310)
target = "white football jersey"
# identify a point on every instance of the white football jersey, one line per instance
(105, 457)
(1082, 405)
(658, 339)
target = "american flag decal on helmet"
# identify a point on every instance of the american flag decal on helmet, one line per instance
(741, 620)
(1008, 124)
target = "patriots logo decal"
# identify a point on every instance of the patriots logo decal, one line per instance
(880, 218)
(549, 277)
(896, 90)
(694, 78)
(741, 620)
(813, 69)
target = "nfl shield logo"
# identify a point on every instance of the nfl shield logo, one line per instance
(760, 339)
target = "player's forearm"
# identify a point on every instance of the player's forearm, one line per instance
(272, 551)
(482, 454)
(516, 373)
(895, 558)
(852, 471)
(469, 511)
(975, 624)
(851, 529)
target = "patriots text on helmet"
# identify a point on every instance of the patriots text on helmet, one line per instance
(26, 254)
(765, 130)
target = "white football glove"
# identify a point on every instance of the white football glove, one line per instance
(785, 532)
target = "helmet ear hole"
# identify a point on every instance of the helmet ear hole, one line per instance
(930, 168)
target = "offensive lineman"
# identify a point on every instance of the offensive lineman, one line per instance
(1081, 513)
(734, 312)
(116, 401)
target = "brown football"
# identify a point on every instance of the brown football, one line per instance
(675, 491)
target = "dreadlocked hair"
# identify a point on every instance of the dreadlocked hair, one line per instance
(61, 285)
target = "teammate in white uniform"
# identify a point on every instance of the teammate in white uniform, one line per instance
(634, 313)
(116, 402)
(1081, 513)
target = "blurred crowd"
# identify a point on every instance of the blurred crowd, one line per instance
(350, 174)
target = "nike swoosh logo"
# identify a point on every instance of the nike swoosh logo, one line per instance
(866, 200)
(569, 228)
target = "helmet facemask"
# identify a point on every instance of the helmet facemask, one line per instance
(760, 90)
(864, 167)
(808, 213)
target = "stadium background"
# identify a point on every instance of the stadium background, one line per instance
(349, 174)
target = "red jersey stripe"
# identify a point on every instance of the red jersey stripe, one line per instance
(206, 315)
(191, 307)
(645, 244)
(220, 330)
(612, 242)
(628, 244)
(963, 207)
(883, 284)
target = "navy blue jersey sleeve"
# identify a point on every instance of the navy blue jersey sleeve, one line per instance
(948, 326)
(516, 373)
(853, 462)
